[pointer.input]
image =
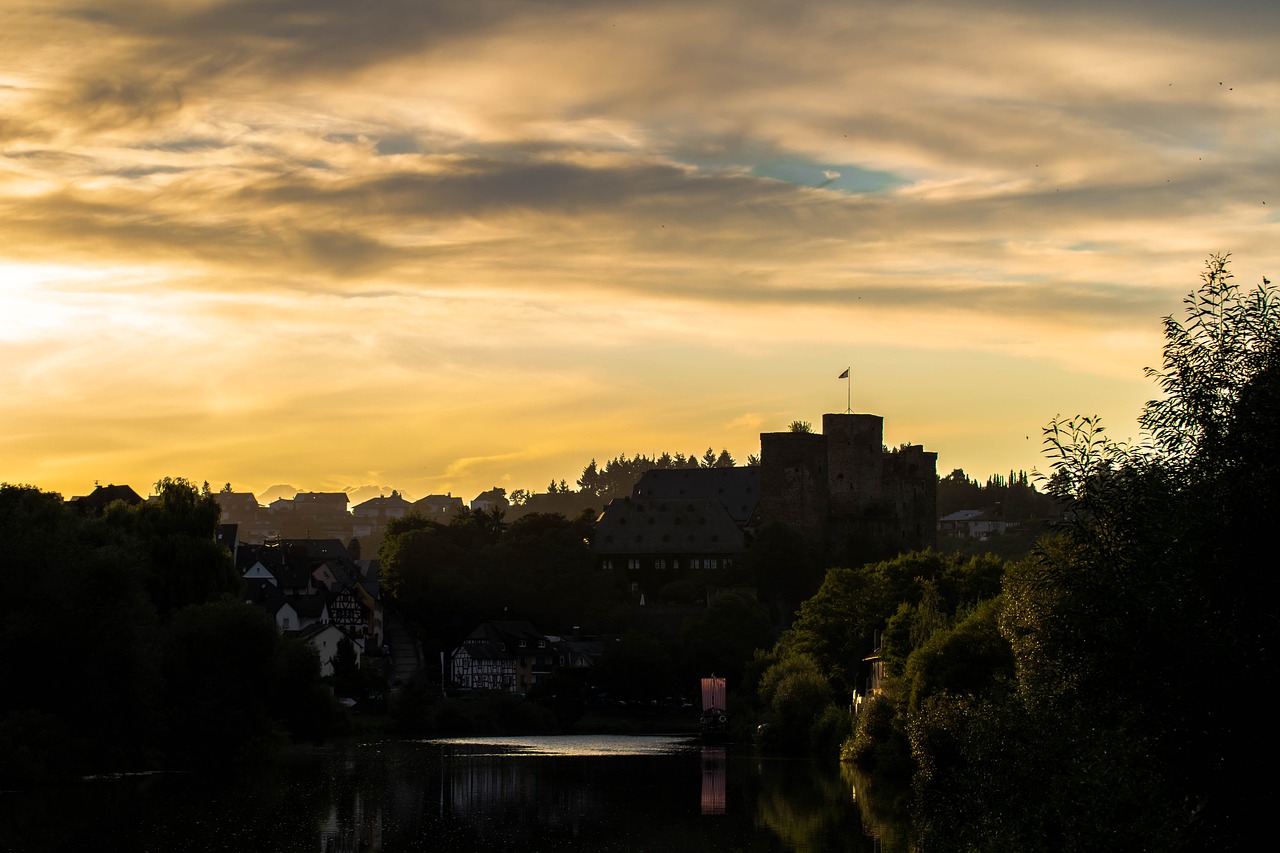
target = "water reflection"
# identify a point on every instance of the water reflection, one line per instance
(511, 794)
(713, 780)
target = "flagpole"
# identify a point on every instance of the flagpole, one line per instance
(848, 390)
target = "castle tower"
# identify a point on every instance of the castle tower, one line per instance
(855, 463)
(793, 482)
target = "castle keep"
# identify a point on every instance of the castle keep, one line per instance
(845, 491)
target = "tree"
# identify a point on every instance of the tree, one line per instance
(800, 426)
(220, 673)
(79, 660)
(185, 563)
(1126, 625)
(1228, 339)
(589, 482)
(796, 694)
(723, 637)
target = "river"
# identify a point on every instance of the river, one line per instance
(598, 793)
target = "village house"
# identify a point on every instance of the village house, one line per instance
(505, 655)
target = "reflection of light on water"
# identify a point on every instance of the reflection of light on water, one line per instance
(713, 781)
(580, 745)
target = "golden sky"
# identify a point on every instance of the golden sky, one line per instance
(440, 246)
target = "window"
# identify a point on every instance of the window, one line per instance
(633, 563)
(607, 565)
(659, 564)
(695, 563)
(711, 563)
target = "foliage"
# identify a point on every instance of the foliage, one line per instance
(1016, 496)
(878, 742)
(1229, 338)
(800, 426)
(78, 652)
(723, 636)
(970, 658)
(796, 694)
(781, 565)
(636, 667)
(837, 626)
(1125, 628)
(184, 563)
(103, 667)
(220, 673)
(448, 578)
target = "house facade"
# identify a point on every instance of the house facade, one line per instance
(507, 655)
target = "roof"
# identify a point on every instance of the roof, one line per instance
(506, 633)
(964, 515)
(380, 505)
(227, 534)
(96, 501)
(667, 526)
(438, 504)
(738, 488)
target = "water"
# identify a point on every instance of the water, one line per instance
(597, 793)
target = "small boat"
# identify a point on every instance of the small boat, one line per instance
(714, 719)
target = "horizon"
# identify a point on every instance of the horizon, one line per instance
(440, 249)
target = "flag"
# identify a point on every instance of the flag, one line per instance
(844, 375)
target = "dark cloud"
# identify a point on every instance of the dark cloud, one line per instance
(288, 38)
(195, 143)
(400, 143)
(73, 228)
(147, 171)
(1098, 303)
(477, 186)
(105, 102)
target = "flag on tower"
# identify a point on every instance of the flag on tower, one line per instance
(844, 375)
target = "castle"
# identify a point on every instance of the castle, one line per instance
(850, 497)
(845, 491)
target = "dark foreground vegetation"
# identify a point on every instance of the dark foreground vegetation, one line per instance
(123, 646)
(1111, 690)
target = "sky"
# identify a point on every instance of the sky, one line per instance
(443, 246)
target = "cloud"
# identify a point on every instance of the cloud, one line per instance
(416, 205)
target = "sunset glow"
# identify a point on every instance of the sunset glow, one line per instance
(445, 246)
